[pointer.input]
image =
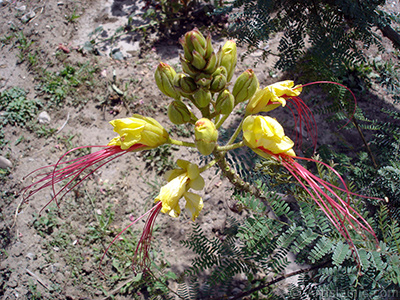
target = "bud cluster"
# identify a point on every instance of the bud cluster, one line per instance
(205, 83)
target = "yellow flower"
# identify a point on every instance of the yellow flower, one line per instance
(138, 130)
(272, 96)
(179, 182)
(266, 133)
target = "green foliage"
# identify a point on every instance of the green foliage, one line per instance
(57, 86)
(17, 108)
(260, 244)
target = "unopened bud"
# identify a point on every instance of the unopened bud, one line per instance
(211, 65)
(227, 57)
(198, 41)
(178, 113)
(245, 86)
(198, 60)
(165, 76)
(225, 103)
(218, 83)
(209, 48)
(203, 80)
(206, 136)
(219, 71)
(185, 85)
(187, 67)
(202, 98)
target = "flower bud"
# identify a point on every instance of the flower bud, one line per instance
(198, 60)
(185, 85)
(227, 57)
(245, 86)
(165, 76)
(218, 83)
(206, 136)
(178, 113)
(187, 67)
(225, 102)
(209, 48)
(138, 130)
(202, 98)
(203, 80)
(220, 70)
(211, 65)
(197, 40)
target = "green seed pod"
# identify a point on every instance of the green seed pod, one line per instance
(206, 136)
(202, 98)
(225, 103)
(245, 86)
(185, 85)
(165, 76)
(178, 113)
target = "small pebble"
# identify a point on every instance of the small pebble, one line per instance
(5, 163)
(44, 118)
(31, 256)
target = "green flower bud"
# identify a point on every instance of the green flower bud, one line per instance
(219, 71)
(187, 67)
(193, 40)
(225, 103)
(198, 42)
(206, 136)
(211, 65)
(209, 48)
(227, 57)
(218, 83)
(203, 80)
(178, 113)
(245, 86)
(185, 85)
(165, 76)
(202, 98)
(198, 60)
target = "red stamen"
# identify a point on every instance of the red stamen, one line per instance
(143, 245)
(72, 170)
(339, 84)
(338, 211)
(141, 257)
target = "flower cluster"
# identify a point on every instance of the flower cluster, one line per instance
(205, 85)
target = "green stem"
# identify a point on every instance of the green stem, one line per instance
(235, 134)
(207, 166)
(230, 147)
(221, 121)
(181, 143)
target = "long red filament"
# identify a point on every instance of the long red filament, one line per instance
(72, 170)
(337, 210)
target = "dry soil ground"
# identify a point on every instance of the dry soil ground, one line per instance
(57, 254)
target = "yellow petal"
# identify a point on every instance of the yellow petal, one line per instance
(194, 204)
(193, 171)
(268, 133)
(197, 184)
(171, 193)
